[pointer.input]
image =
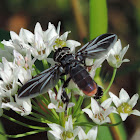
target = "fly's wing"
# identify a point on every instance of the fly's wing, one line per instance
(40, 83)
(97, 47)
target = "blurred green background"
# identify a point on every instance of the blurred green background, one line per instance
(123, 20)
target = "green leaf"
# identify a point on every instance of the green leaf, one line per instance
(2, 130)
(98, 18)
(104, 133)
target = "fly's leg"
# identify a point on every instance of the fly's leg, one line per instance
(65, 98)
(64, 95)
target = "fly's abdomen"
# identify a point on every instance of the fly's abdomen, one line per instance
(83, 80)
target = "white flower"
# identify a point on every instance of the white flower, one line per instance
(99, 114)
(97, 63)
(116, 54)
(63, 133)
(62, 41)
(91, 135)
(5, 53)
(21, 105)
(5, 97)
(124, 104)
(17, 42)
(8, 74)
(43, 42)
(56, 102)
(25, 62)
(23, 75)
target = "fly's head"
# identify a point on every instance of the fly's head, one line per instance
(60, 53)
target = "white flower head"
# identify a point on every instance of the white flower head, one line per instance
(99, 113)
(62, 41)
(25, 62)
(116, 54)
(64, 133)
(17, 42)
(56, 102)
(91, 135)
(23, 106)
(5, 97)
(42, 42)
(124, 104)
(8, 74)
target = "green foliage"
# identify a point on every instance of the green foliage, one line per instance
(98, 21)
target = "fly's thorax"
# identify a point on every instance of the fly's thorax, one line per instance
(64, 56)
(60, 53)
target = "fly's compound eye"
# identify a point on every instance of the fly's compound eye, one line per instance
(61, 69)
(80, 58)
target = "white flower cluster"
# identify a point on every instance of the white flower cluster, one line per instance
(69, 133)
(18, 59)
(99, 115)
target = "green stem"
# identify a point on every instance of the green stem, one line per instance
(31, 118)
(112, 124)
(24, 134)
(88, 124)
(23, 124)
(112, 79)
(45, 64)
(36, 71)
(38, 108)
(41, 120)
(47, 116)
(43, 100)
(78, 105)
(81, 113)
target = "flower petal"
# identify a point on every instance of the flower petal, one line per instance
(123, 116)
(135, 112)
(124, 97)
(64, 36)
(126, 60)
(123, 52)
(117, 47)
(50, 136)
(58, 27)
(106, 104)
(38, 29)
(94, 106)
(69, 124)
(57, 129)
(14, 36)
(115, 99)
(82, 134)
(89, 112)
(26, 35)
(51, 106)
(92, 133)
(72, 44)
(133, 100)
(76, 131)
(108, 111)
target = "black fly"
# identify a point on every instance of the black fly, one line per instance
(72, 64)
